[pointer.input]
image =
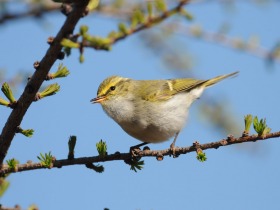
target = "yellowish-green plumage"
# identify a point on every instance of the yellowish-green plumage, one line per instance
(151, 110)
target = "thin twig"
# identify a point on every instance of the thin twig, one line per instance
(139, 153)
(223, 40)
(150, 22)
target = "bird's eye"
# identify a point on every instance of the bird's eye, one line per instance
(112, 87)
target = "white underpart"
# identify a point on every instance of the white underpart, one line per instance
(153, 122)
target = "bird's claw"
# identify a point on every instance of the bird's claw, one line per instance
(173, 150)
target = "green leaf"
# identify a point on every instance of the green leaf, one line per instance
(12, 164)
(136, 165)
(150, 8)
(160, 5)
(81, 58)
(101, 147)
(201, 156)
(62, 71)
(260, 127)
(8, 92)
(33, 207)
(113, 35)
(137, 17)
(46, 159)
(68, 43)
(248, 119)
(122, 28)
(83, 30)
(49, 90)
(186, 14)
(92, 4)
(99, 42)
(4, 185)
(27, 132)
(3, 102)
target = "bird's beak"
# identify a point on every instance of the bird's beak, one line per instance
(98, 99)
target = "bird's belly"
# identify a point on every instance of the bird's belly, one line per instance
(158, 123)
(150, 133)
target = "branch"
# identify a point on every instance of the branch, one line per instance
(37, 79)
(159, 154)
(154, 20)
(17, 207)
(33, 12)
(224, 40)
(199, 33)
(48, 60)
(147, 24)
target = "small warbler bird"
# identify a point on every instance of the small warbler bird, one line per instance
(151, 111)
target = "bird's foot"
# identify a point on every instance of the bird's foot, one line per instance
(137, 147)
(173, 150)
(134, 149)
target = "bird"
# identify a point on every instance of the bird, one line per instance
(152, 111)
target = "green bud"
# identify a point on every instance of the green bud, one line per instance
(27, 132)
(12, 164)
(33, 207)
(83, 29)
(4, 102)
(99, 43)
(122, 28)
(68, 43)
(92, 4)
(150, 8)
(4, 185)
(137, 17)
(201, 156)
(50, 90)
(112, 35)
(46, 159)
(62, 71)
(248, 119)
(186, 14)
(160, 5)
(8, 92)
(101, 147)
(81, 58)
(261, 127)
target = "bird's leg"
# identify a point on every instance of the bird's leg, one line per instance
(172, 146)
(132, 151)
(138, 145)
(133, 148)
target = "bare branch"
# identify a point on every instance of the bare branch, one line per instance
(33, 12)
(37, 79)
(140, 153)
(222, 39)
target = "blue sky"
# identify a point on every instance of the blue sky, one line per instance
(235, 177)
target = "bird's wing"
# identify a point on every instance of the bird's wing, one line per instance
(162, 90)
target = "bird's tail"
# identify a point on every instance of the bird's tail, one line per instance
(214, 80)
